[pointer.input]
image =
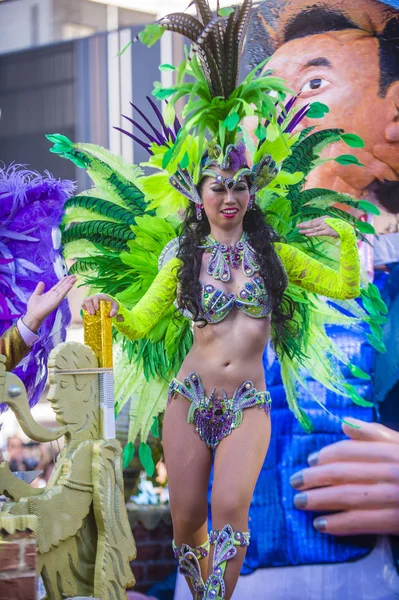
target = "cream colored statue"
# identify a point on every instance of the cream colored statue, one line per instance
(84, 539)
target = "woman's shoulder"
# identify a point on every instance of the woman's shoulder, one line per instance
(170, 251)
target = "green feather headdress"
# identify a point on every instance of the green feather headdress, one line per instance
(215, 107)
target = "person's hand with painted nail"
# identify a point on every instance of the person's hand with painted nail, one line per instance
(356, 479)
(92, 304)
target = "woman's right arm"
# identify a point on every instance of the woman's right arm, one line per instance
(155, 303)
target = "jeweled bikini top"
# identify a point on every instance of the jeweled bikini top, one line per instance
(253, 300)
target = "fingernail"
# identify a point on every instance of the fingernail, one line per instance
(313, 459)
(296, 480)
(320, 524)
(301, 500)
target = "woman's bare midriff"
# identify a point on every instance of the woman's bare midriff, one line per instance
(228, 353)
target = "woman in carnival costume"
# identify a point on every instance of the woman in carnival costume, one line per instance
(196, 301)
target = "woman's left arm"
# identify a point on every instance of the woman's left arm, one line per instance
(313, 275)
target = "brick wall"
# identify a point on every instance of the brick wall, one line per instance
(18, 558)
(155, 560)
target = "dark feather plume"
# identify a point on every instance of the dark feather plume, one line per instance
(186, 25)
(241, 32)
(205, 54)
(230, 51)
(217, 43)
(203, 10)
(216, 35)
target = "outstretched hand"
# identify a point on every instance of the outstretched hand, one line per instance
(42, 303)
(357, 479)
(316, 227)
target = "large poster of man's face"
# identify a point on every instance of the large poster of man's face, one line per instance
(344, 54)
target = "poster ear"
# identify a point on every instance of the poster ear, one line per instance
(392, 126)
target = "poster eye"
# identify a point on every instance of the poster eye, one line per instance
(314, 84)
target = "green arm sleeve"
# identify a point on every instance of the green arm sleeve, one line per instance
(316, 277)
(137, 322)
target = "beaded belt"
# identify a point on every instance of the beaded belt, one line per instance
(216, 417)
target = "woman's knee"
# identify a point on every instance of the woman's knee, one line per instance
(230, 508)
(188, 514)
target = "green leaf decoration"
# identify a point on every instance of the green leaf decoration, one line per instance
(65, 148)
(376, 343)
(163, 93)
(155, 428)
(260, 132)
(305, 421)
(375, 329)
(231, 121)
(380, 304)
(372, 291)
(125, 47)
(368, 207)
(151, 34)
(317, 110)
(356, 372)
(352, 140)
(225, 12)
(167, 157)
(356, 398)
(379, 320)
(166, 67)
(369, 304)
(185, 161)
(365, 227)
(348, 159)
(128, 453)
(146, 459)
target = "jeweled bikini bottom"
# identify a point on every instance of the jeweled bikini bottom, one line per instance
(216, 417)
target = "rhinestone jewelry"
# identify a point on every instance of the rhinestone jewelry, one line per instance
(223, 257)
(216, 417)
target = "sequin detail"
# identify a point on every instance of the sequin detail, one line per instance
(189, 558)
(241, 538)
(253, 300)
(226, 540)
(223, 257)
(201, 551)
(216, 417)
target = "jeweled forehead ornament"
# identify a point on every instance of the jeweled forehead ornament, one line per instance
(229, 183)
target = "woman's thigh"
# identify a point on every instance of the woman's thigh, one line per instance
(238, 461)
(188, 462)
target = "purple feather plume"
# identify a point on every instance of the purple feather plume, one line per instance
(31, 209)
(287, 109)
(296, 119)
(163, 135)
(301, 114)
(238, 158)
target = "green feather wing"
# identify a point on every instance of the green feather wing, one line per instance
(285, 204)
(116, 241)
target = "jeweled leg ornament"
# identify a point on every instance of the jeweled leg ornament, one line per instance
(226, 540)
(189, 567)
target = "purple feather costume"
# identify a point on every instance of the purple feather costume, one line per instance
(31, 209)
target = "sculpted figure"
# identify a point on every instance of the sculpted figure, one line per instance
(84, 539)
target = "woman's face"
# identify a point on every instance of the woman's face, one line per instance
(224, 205)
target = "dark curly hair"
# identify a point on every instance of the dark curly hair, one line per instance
(261, 237)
